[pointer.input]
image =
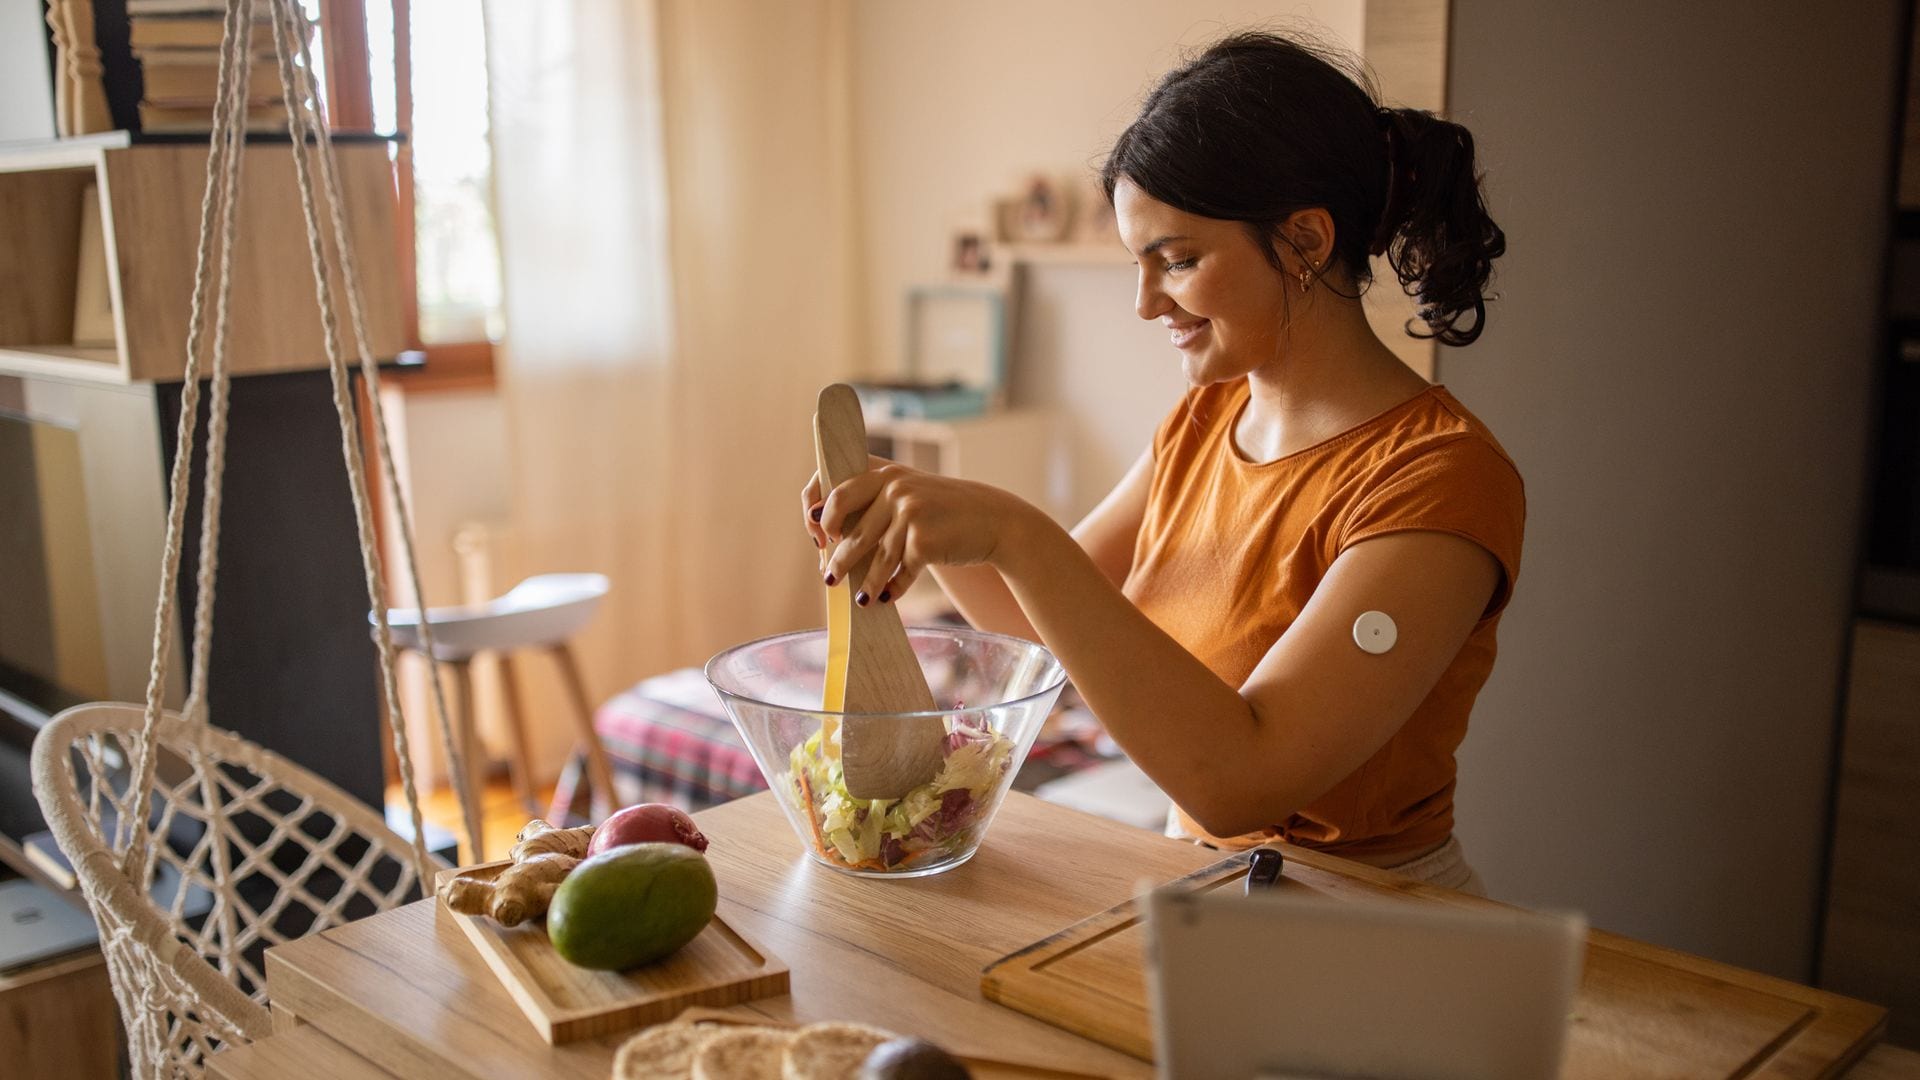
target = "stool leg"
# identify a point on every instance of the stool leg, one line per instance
(470, 756)
(598, 770)
(521, 764)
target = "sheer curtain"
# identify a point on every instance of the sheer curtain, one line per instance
(675, 228)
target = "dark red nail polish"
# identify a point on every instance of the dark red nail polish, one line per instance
(830, 580)
(817, 510)
(885, 595)
(816, 541)
(860, 598)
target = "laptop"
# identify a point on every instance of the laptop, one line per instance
(37, 924)
(1278, 985)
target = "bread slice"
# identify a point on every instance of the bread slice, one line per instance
(662, 1052)
(746, 1053)
(830, 1051)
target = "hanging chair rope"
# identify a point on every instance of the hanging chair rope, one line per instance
(370, 375)
(177, 1007)
(222, 193)
(274, 851)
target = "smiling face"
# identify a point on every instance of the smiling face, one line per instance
(1205, 279)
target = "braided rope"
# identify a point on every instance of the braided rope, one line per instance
(236, 68)
(370, 375)
(220, 163)
(303, 122)
(177, 1008)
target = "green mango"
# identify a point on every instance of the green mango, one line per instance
(632, 905)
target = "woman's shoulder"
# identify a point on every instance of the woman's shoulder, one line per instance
(1439, 423)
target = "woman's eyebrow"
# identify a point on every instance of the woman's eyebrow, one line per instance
(1160, 243)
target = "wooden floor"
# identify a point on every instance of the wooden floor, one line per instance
(501, 814)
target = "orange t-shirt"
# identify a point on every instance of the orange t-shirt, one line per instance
(1231, 550)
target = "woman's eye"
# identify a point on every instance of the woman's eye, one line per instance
(1181, 264)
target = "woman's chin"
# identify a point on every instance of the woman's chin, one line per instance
(1202, 370)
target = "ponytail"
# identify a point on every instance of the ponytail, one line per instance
(1434, 227)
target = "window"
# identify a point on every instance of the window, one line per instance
(425, 75)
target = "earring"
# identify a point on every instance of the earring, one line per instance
(1306, 278)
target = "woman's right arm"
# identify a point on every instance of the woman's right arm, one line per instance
(1107, 535)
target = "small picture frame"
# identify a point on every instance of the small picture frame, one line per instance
(972, 256)
(1041, 213)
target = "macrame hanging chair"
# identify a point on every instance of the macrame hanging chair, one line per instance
(196, 849)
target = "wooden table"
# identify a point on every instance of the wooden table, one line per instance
(405, 994)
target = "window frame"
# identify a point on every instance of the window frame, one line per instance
(454, 365)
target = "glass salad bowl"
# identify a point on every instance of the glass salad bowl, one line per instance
(994, 691)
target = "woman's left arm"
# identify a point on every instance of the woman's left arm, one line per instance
(1314, 709)
(1236, 759)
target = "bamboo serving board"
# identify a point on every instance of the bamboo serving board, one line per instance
(981, 1068)
(564, 1003)
(1642, 1011)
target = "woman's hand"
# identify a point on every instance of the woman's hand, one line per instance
(908, 520)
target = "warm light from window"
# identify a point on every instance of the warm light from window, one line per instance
(455, 251)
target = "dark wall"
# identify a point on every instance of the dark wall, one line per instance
(293, 665)
(1696, 199)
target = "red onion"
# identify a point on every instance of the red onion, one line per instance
(645, 824)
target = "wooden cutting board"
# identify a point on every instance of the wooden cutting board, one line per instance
(564, 1003)
(1642, 1011)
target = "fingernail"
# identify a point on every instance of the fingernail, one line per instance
(831, 579)
(860, 598)
(817, 510)
(886, 595)
(816, 541)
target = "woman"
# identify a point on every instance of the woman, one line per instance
(1311, 500)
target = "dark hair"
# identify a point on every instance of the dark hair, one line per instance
(1259, 126)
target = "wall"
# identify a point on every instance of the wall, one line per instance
(450, 452)
(1694, 198)
(956, 103)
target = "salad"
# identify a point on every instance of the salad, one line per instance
(941, 815)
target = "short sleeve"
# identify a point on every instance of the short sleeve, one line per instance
(1462, 485)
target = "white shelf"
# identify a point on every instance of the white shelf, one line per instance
(63, 361)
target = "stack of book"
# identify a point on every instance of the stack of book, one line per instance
(177, 45)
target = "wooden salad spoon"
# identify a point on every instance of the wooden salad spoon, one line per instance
(871, 668)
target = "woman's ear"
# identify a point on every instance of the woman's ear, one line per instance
(1309, 233)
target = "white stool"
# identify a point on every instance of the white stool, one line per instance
(540, 612)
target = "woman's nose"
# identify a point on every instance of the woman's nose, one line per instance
(1149, 302)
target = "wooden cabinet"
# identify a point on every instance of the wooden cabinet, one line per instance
(1871, 945)
(58, 1021)
(137, 262)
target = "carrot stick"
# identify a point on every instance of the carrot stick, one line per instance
(813, 819)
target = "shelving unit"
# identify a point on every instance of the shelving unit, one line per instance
(149, 196)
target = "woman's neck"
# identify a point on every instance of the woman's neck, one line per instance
(1333, 375)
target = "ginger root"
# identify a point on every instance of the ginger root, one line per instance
(539, 838)
(542, 858)
(524, 890)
